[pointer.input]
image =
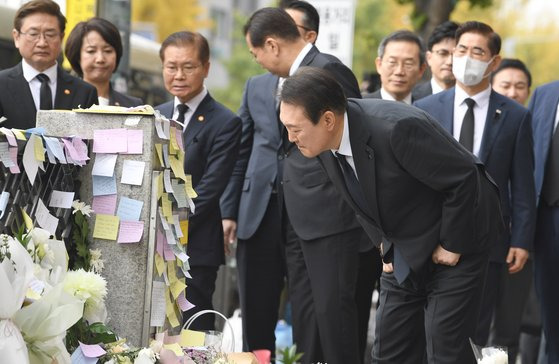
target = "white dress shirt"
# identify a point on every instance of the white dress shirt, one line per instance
(192, 104)
(480, 114)
(297, 62)
(345, 147)
(387, 96)
(435, 87)
(30, 75)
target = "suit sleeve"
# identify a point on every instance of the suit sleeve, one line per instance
(91, 97)
(523, 190)
(345, 78)
(431, 156)
(219, 165)
(229, 202)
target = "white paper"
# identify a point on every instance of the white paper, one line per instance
(159, 129)
(61, 199)
(132, 120)
(104, 164)
(5, 156)
(133, 172)
(4, 198)
(167, 181)
(45, 219)
(30, 164)
(56, 148)
(176, 224)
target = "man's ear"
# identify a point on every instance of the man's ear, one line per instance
(310, 36)
(329, 120)
(272, 44)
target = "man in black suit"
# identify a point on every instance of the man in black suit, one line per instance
(439, 58)
(38, 82)
(287, 202)
(400, 64)
(497, 130)
(211, 143)
(436, 208)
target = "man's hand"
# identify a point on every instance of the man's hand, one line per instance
(387, 267)
(229, 234)
(442, 256)
(516, 259)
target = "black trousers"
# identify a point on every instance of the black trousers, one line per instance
(433, 313)
(322, 277)
(261, 268)
(199, 291)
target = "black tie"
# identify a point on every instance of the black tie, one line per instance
(352, 183)
(550, 188)
(467, 130)
(46, 94)
(183, 108)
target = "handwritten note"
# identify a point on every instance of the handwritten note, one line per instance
(104, 185)
(135, 141)
(55, 147)
(13, 154)
(45, 219)
(5, 155)
(105, 204)
(129, 209)
(184, 228)
(133, 172)
(106, 227)
(157, 304)
(110, 141)
(79, 358)
(104, 165)
(61, 199)
(30, 163)
(9, 136)
(183, 303)
(130, 231)
(92, 351)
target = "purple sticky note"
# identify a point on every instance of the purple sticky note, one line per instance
(13, 155)
(70, 150)
(92, 351)
(130, 231)
(183, 303)
(104, 204)
(160, 242)
(110, 141)
(81, 148)
(168, 252)
(135, 141)
(178, 136)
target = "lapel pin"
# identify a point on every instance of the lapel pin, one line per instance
(201, 118)
(117, 103)
(497, 113)
(66, 92)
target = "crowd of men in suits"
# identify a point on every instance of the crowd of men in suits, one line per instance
(445, 206)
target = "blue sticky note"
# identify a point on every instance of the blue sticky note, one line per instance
(104, 185)
(129, 209)
(78, 357)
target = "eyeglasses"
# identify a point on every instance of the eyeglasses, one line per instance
(392, 64)
(442, 53)
(304, 27)
(461, 50)
(186, 69)
(34, 36)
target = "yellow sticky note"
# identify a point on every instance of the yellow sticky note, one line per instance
(177, 168)
(171, 271)
(190, 338)
(106, 227)
(159, 185)
(159, 264)
(188, 187)
(159, 151)
(175, 348)
(180, 157)
(173, 145)
(166, 205)
(27, 220)
(170, 310)
(177, 287)
(39, 148)
(19, 134)
(184, 228)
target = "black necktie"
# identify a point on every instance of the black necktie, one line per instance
(46, 94)
(352, 183)
(467, 130)
(183, 108)
(550, 188)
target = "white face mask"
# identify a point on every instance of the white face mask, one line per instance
(469, 71)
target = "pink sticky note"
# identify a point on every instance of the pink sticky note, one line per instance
(13, 155)
(263, 356)
(160, 242)
(110, 141)
(135, 141)
(178, 136)
(71, 150)
(81, 148)
(130, 231)
(183, 303)
(10, 136)
(92, 351)
(105, 204)
(168, 252)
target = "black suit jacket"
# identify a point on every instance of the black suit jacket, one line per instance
(422, 90)
(16, 102)
(422, 187)
(211, 143)
(120, 99)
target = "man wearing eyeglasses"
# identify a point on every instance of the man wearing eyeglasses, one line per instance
(38, 82)
(400, 64)
(440, 45)
(211, 143)
(498, 131)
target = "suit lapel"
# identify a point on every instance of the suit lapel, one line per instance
(21, 92)
(198, 119)
(65, 90)
(496, 114)
(447, 111)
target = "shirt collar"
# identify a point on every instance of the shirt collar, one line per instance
(345, 145)
(29, 73)
(194, 102)
(295, 66)
(435, 87)
(387, 96)
(481, 98)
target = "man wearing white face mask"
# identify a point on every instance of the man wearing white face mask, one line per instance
(498, 131)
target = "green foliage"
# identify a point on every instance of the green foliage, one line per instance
(22, 236)
(95, 333)
(288, 355)
(81, 242)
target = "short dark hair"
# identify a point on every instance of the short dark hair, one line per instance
(39, 6)
(267, 22)
(403, 36)
(311, 19)
(108, 31)
(184, 38)
(513, 63)
(316, 90)
(441, 32)
(494, 40)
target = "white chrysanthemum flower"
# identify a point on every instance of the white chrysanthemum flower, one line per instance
(39, 236)
(81, 206)
(97, 264)
(146, 356)
(46, 254)
(91, 288)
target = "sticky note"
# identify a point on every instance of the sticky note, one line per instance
(105, 204)
(110, 141)
(177, 287)
(55, 147)
(44, 218)
(30, 163)
(130, 231)
(39, 149)
(184, 227)
(177, 167)
(159, 181)
(188, 187)
(159, 264)
(133, 172)
(159, 152)
(79, 358)
(103, 185)
(19, 134)
(157, 304)
(104, 165)
(5, 155)
(129, 209)
(135, 141)
(175, 348)
(166, 206)
(61, 199)
(191, 338)
(92, 351)
(160, 242)
(106, 227)
(183, 303)
(13, 154)
(9, 136)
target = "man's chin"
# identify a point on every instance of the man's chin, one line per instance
(307, 153)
